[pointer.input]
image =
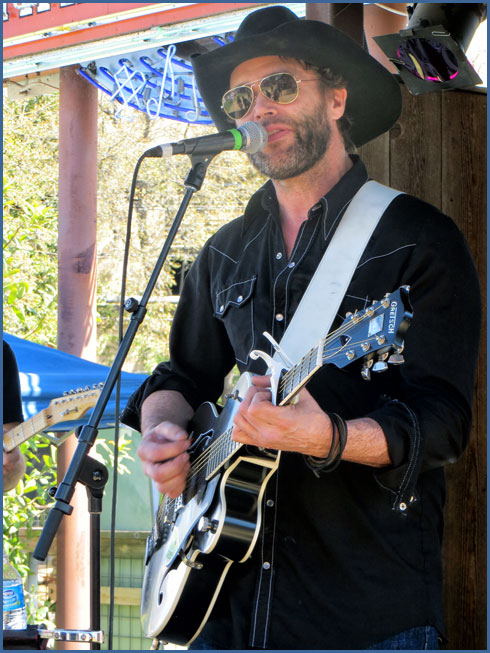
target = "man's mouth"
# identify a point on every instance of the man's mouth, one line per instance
(275, 134)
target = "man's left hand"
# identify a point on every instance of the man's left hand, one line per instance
(302, 427)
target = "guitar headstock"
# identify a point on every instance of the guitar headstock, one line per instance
(375, 335)
(72, 405)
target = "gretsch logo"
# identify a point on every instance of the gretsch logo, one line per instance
(392, 318)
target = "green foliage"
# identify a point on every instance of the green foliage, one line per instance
(229, 182)
(25, 507)
(30, 248)
(30, 220)
(29, 266)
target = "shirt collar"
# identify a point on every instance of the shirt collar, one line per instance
(264, 201)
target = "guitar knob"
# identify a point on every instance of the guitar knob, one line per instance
(380, 366)
(205, 524)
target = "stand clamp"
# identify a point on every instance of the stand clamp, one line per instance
(63, 635)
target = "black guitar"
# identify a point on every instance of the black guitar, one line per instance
(216, 520)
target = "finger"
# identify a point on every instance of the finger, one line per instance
(253, 396)
(170, 476)
(167, 431)
(239, 435)
(262, 381)
(162, 442)
(247, 429)
(160, 451)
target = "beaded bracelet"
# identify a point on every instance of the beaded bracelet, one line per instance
(334, 456)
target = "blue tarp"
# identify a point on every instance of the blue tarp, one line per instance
(46, 374)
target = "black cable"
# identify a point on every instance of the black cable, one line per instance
(117, 409)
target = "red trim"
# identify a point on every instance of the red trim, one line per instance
(29, 24)
(58, 16)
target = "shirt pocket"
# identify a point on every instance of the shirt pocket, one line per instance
(234, 306)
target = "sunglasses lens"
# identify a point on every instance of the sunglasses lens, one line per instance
(281, 87)
(237, 102)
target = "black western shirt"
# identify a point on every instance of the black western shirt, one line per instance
(351, 557)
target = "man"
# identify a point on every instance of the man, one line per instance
(348, 555)
(14, 464)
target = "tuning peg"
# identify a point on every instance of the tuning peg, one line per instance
(366, 370)
(396, 359)
(381, 365)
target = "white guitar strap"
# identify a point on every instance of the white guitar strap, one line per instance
(322, 298)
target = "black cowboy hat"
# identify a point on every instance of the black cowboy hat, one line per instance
(373, 93)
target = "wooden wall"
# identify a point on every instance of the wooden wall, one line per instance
(437, 151)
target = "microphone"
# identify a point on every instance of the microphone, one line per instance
(250, 137)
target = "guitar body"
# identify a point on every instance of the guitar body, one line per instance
(204, 533)
(216, 520)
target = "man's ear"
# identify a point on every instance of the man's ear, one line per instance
(338, 97)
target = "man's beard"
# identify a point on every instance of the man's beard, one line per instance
(312, 136)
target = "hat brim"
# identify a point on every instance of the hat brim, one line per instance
(373, 93)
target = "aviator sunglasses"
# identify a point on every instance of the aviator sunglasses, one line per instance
(279, 87)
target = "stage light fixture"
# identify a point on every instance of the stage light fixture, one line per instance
(430, 52)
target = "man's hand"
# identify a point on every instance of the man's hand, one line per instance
(163, 452)
(14, 467)
(163, 449)
(303, 427)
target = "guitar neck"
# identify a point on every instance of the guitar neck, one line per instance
(221, 450)
(24, 431)
(297, 376)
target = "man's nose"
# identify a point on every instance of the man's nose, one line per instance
(261, 105)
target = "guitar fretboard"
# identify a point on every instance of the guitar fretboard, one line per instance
(25, 430)
(219, 452)
(295, 378)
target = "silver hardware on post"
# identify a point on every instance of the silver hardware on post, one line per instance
(64, 635)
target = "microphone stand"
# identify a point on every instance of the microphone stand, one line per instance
(82, 467)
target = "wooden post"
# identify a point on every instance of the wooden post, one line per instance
(347, 17)
(382, 20)
(76, 322)
(437, 151)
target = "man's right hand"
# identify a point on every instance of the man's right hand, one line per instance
(163, 452)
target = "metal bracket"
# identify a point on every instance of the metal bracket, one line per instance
(189, 563)
(63, 635)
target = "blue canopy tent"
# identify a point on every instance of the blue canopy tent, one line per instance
(46, 374)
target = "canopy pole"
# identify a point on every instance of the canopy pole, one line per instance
(76, 321)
